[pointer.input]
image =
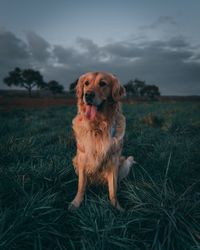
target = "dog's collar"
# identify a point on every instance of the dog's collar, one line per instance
(113, 129)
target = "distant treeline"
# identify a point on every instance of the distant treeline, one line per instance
(134, 88)
(138, 88)
(30, 79)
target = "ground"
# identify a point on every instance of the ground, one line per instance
(161, 195)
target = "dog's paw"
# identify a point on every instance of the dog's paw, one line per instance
(119, 208)
(125, 167)
(116, 205)
(130, 161)
(73, 206)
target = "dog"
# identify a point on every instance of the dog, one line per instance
(99, 128)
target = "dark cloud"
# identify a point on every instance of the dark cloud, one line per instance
(88, 45)
(178, 42)
(161, 21)
(165, 20)
(92, 53)
(38, 47)
(65, 56)
(171, 64)
(11, 45)
(13, 52)
(165, 63)
(123, 50)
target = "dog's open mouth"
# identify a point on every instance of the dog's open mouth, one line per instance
(90, 112)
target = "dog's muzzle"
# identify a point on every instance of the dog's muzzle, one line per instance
(89, 97)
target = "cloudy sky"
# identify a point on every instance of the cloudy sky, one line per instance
(153, 40)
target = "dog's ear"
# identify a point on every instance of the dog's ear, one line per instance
(117, 90)
(79, 87)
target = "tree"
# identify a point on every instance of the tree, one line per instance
(139, 88)
(26, 78)
(151, 92)
(139, 85)
(130, 89)
(55, 87)
(72, 86)
(134, 87)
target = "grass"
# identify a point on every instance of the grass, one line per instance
(161, 194)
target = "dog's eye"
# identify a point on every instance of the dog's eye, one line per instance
(102, 84)
(87, 83)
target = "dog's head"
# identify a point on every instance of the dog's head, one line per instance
(95, 88)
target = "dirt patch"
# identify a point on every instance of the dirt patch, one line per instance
(153, 120)
(26, 102)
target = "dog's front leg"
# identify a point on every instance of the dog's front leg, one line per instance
(112, 187)
(82, 181)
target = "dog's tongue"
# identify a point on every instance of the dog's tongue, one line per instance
(90, 112)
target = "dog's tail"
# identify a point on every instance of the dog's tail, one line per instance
(125, 165)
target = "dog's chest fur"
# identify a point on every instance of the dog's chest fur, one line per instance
(93, 141)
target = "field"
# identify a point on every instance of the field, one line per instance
(161, 196)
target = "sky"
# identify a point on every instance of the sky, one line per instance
(152, 40)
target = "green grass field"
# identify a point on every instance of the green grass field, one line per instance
(161, 196)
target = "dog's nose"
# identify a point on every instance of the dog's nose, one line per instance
(89, 96)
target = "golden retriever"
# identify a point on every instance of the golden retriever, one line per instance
(99, 129)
